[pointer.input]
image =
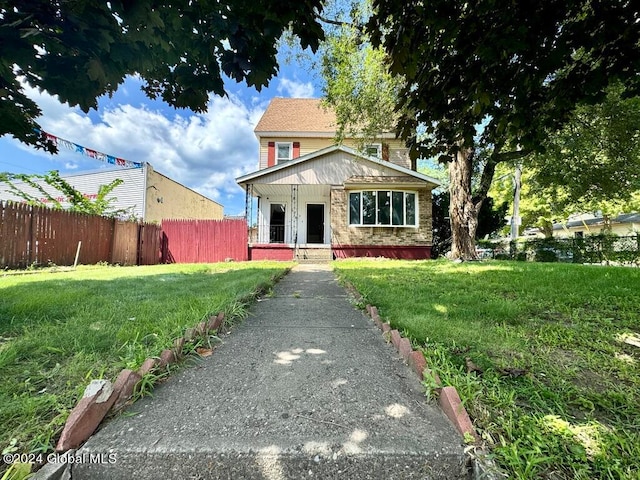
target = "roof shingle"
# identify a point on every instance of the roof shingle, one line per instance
(297, 115)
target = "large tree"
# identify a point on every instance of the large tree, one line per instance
(82, 49)
(500, 76)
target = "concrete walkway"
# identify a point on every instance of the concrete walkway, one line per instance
(304, 388)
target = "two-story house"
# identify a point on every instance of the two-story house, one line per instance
(319, 200)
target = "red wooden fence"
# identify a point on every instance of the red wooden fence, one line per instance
(41, 236)
(149, 244)
(203, 241)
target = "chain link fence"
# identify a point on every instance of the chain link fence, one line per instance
(603, 249)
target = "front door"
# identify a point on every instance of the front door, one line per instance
(276, 223)
(315, 223)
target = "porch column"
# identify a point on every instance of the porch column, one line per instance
(294, 214)
(248, 209)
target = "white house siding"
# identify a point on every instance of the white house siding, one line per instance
(129, 195)
(330, 169)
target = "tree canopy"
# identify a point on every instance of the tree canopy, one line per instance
(80, 50)
(595, 157)
(517, 69)
(487, 81)
(592, 164)
(357, 83)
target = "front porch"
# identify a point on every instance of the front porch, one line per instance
(292, 222)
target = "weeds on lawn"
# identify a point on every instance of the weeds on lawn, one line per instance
(60, 330)
(543, 356)
(144, 388)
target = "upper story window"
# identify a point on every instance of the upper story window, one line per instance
(391, 208)
(284, 151)
(373, 150)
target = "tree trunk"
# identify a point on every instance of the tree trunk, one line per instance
(462, 210)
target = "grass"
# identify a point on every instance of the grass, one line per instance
(559, 396)
(60, 330)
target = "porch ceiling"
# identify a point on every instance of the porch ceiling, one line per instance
(275, 190)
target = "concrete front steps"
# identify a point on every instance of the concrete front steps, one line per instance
(313, 255)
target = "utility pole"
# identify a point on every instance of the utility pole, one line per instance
(515, 218)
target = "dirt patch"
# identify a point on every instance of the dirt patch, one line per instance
(564, 358)
(583, 378)
(590, 380)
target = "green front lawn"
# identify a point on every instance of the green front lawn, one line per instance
(559, 396)
(60, 330)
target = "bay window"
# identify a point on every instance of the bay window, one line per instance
(394, 208)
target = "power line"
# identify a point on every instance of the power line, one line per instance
(19, 166)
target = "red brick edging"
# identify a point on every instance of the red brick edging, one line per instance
(448, 397)
(102, 397)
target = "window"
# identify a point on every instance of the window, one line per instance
(373, 150)
(284, 152)
(392, 208)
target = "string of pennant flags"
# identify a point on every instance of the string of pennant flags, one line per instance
(88, 152)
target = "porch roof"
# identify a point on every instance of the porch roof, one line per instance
(367, 180)
(255, 177)
(279, 190)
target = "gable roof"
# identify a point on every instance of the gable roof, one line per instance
(297, 115)
(334, 148)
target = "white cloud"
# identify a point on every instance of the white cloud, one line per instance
(71, 166)
(295, 89)
(205, 152)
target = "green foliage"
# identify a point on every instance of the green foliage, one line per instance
(595, 157)
(604, 248)
(560, 392)
(144, 388)
(518, 71)
(357, 83)
(435, 170)
(601, 248)
(537, 209)
(84, 49)
(590, 165)
(490, 75)
(543, 205)
(101, 205)
(17, 471)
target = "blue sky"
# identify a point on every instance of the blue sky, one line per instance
(205, 152)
